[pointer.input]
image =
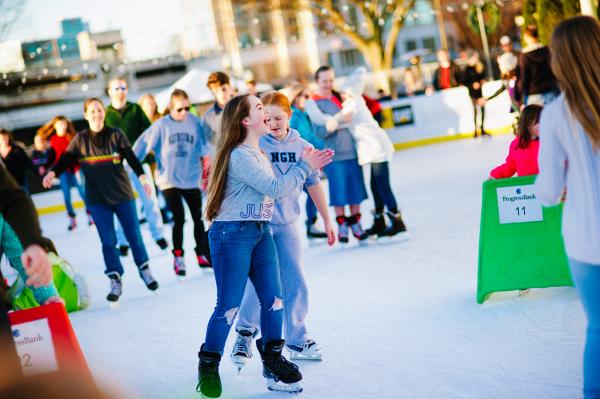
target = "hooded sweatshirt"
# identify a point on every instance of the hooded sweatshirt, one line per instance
(536, 76)
(284, 155)
(178, 147)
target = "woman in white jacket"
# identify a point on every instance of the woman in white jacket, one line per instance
(569, 159)
(373, 146)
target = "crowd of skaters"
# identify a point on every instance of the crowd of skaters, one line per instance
(253, 158)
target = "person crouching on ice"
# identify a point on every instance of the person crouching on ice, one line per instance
(284, 146)
(100, 151)
(240, 204)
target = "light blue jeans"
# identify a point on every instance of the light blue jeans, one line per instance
(293, 284)
(67, 181)
(242, 250)
(587, 282)
(151, 211)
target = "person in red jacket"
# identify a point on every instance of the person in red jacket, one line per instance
(523, 151)
(59, 132)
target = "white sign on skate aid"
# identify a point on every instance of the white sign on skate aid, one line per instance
(518, 204)
(35, 347)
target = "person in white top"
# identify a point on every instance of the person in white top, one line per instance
(373, 146)
(569, 163)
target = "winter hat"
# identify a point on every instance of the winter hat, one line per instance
(355, 82)
(505, 40)
(507, 62)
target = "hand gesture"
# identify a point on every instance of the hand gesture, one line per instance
(317, 159)
(146, 185)
(48, 179)
(37, 266)
(330, 233)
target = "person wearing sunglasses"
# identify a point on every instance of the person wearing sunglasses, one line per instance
(130, 119)
(178, 143)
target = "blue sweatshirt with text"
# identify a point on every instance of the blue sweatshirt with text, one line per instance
(283, 155)
(178, 147)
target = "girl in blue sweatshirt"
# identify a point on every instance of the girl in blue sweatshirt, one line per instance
(284, 146)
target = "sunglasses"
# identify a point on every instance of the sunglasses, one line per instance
(120, 88)
(178, 110)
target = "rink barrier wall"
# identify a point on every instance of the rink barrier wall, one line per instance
(520, 242)
(419, 121)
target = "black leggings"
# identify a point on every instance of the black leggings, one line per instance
(381, 189)
(193, 199)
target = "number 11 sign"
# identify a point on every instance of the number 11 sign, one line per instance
(518, 204)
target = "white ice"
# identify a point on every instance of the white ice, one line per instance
(394, 321)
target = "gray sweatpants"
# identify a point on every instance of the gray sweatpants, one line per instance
(293, 284)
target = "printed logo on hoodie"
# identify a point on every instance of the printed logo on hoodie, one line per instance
(181, 140)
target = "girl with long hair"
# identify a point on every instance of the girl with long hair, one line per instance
(283, 146)
(569, 159)
(59, 132)
(100, 151)
(150, 107)
(241, 193)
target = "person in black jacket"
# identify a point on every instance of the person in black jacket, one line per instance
(473, 78)
(15, 159)
(448, 73)
(100, 151)
(17, 209)
(536, 83)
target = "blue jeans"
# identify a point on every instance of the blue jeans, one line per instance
(151, 211)
(240, 250)
(311, 207)
(67, 181)
(587, 282)
(381, 189)
(293, 282)
(104, 216)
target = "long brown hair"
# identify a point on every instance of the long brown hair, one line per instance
(157, 115)
(529, 117)
(575, 46)
(232, 133)
(48, 129)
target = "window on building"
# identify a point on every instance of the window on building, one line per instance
(411, 45)
(350, 58)
(429, 43)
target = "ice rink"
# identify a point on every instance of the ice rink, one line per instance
(395, 320)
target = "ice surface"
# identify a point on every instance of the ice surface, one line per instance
(395, 321)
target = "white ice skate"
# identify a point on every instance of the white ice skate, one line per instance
(279, 386)
(242, 349)
(308, 350)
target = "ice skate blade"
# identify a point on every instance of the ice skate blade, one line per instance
(113, 305)
(397, 238)
(315, 357)
(180, 279)
(239, 362)
(279, 386)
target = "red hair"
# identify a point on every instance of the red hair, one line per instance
(277, 98)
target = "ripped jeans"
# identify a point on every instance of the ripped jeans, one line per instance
(242, 250)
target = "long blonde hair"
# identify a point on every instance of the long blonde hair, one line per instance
(48, 129)
(232, 133)
(156, 116)
(575, 46)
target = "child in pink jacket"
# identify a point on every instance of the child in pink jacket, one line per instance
(523, 151)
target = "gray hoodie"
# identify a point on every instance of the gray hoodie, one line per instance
(252, 185)
(178, 147)
(283, 156)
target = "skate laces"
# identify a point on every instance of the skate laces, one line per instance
(146, 275)
(115, 286)
(243, 343)
(283, 367)
(178, 263)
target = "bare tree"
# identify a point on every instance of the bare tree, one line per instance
(10, 12)
(372, 26)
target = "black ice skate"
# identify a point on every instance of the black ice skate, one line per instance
(116, 288)
(312, 231)
(398, 228)
(209, 381)
(379, 225)
(242, 349)
(281, 374)
(146, 275)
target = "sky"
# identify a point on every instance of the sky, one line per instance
(148, 26)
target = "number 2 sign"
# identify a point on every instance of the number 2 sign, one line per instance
(518, 204)
(35, 347)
